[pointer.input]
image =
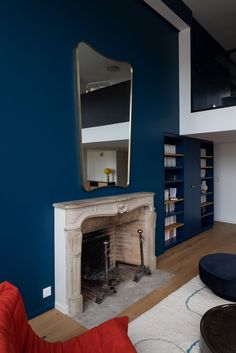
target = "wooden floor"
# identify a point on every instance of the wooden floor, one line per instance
(181, 260)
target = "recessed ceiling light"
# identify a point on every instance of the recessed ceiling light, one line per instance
(113, 68)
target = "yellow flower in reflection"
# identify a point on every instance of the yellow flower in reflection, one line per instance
(107, 171)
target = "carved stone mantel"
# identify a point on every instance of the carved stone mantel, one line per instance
(69, 219)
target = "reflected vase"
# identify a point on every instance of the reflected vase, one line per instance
(204, 187)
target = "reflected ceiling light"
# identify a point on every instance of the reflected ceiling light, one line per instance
(113, 68)
(93, 86)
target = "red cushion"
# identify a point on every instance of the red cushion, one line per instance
(109, 337)
(16, 335)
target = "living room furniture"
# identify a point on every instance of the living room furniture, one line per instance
(188, 164)
(198, 169)
(217, 330)
(174, 190)
(218, 272)
(16, 335)
(207, 174)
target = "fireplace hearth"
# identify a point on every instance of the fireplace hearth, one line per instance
(116, 218)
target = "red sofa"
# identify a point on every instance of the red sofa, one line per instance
(16, 335)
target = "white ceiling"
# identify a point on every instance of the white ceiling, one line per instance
(94, 69)
(218, 137)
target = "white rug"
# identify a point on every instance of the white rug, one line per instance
(173, 325)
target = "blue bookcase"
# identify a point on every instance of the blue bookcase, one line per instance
(173, 190)
(188, 188)
(207, 185)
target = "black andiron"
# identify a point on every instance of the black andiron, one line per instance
(107, 288)
(142, 269)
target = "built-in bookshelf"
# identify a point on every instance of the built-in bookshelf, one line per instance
(207, 185)
(173, 193)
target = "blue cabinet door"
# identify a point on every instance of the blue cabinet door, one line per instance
(192, 173)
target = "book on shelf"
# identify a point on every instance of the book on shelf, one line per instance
(167, 194)
(203, 198)
(170, 162)
(203, 163)
(169, 149)
(170, 234)
(167, 209)
(170, 220)
(170, 208)
(203, 152)
(203, 173)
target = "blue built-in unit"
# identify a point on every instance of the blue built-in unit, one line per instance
(39, 133)
(207, 184)
(188, 194)
(174, 190)
(198, 200)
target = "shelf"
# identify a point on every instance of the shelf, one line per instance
(167, 202)
(174, 213)
(207, 193)
(173, 181)
(173, 226)
(205, 178)
(173, 155)
(173, 168)
(207, 167)
(206, 157)
(205, 204)
(207, 214)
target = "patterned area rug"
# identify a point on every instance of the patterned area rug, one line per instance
(173, 325)
(128, 292)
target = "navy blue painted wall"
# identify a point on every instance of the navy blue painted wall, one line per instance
(38, 136)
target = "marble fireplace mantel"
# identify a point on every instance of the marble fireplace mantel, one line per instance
(70, 218)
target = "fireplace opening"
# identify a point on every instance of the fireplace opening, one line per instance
(92, 259)
(94, 277)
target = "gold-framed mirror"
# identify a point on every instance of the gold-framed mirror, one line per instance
(104, 88)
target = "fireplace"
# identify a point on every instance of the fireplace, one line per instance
(118, 217)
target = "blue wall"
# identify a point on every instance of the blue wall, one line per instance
(39, 151)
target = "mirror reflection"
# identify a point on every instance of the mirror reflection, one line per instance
(104, 104)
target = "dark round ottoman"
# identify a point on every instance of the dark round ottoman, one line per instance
(218, 272)
(217, 330)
